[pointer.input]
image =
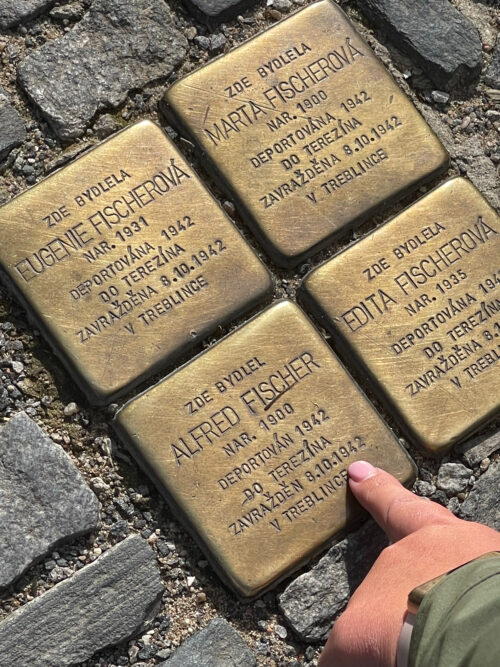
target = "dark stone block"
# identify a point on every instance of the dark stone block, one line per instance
(216, 645)
(103, 604)
(435, 35)
(116, 47)
(43, 498)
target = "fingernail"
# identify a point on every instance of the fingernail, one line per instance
(361, 470)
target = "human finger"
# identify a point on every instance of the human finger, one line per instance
(398, 511)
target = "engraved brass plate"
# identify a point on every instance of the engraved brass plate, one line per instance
(417, 303)
(309, 132)
(126, 260)
(251, 442)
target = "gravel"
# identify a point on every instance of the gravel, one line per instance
(467, 149)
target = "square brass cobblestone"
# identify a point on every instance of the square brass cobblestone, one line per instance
(416, 304)
(126, 260)
(251, 441)
(308, 131)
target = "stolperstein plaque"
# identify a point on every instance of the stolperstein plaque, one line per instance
(308, 131)
(416, 305)
(251, 441)
(126, 260)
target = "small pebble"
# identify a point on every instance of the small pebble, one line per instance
(17, 367)
(203, 42)
(132, 653)
(282, 5)
(440, 97)
(273, 14)
(309, 653)
(217, 43)
(493, 115)
(229, 207)
(70, 409)
(281, 631)
(484, 465)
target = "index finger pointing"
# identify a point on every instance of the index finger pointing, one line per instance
(398, 511)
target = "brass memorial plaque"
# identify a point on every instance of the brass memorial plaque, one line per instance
(417, 304)
(251, 441)
(126, 260)
(308, 131)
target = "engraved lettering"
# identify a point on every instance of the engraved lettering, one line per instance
(266, 393)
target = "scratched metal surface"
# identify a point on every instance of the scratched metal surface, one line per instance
(416, 303)
(126, 260)
(251, 442)
(308, 131)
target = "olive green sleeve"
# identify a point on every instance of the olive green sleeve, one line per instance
(458, 622)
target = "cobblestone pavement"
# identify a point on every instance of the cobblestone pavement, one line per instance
(50, 113)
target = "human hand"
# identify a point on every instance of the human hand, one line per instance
(428, 540)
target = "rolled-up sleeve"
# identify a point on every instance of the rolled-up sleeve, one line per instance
(458, 622)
